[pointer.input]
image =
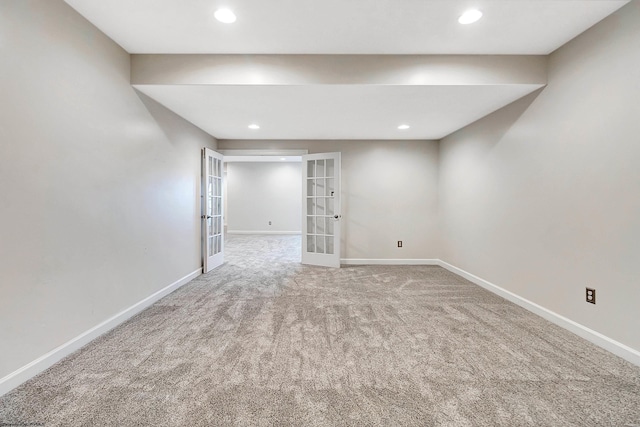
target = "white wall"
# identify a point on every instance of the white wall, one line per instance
(542, 198)
(389, 193)
(259, 192)
(99, 186)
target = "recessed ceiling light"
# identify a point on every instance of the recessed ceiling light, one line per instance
(404, 127)
(470, 16)
(283, 158)
(225, 15)
(254, 126)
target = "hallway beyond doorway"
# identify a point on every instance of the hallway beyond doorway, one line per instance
(254, 249)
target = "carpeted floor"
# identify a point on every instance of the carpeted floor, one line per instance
(266, 341)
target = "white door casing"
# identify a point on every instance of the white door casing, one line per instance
(212, 209)
(321, 216)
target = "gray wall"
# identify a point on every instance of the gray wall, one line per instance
(100, 186)
(542, 198)
(259, 192)
(389, 193)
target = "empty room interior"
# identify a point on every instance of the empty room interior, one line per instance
(320, 213)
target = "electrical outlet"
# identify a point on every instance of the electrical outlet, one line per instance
(399, 243)
(269, 222)
(591, 295)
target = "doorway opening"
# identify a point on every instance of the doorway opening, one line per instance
(263, 204)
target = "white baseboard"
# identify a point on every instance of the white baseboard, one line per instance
(30, 370)
(370, 261)
(615, 347)
(263, 232)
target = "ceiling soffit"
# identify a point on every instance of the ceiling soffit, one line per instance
(335, 96)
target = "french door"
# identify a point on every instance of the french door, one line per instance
(321, 209)
(212, 218)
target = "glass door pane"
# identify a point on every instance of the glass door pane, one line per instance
(212, 209)
(321, 206)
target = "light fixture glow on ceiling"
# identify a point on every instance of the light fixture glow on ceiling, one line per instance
(404, 127)
(283, 158)
(470, 16)
(254, 126)
(225, 15)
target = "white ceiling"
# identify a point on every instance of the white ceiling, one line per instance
(508, 27)
(334, 111)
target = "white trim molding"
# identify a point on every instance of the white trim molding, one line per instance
(263, 232)
(615, 347)
(32, 369)
(265, 152)
(371, 261)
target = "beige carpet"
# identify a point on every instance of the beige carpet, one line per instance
(266, 341)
